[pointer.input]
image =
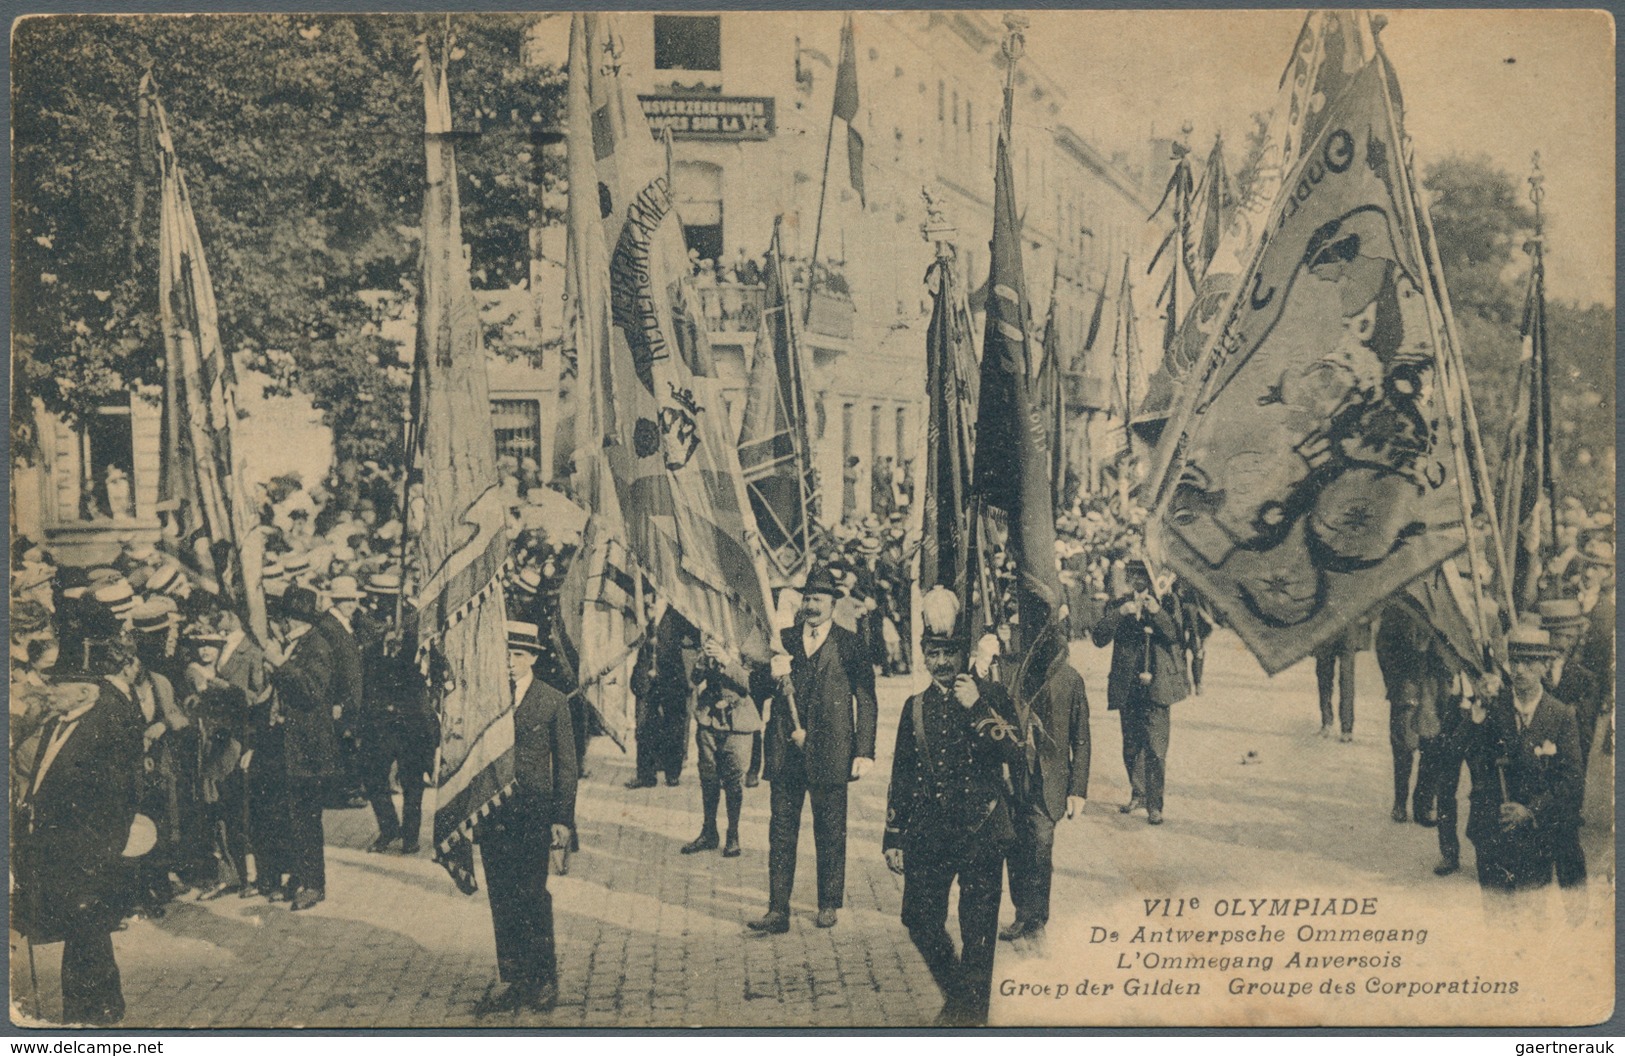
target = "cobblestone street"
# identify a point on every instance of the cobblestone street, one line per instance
(649, 937)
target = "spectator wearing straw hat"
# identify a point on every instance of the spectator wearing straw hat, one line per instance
(1596, 595)
(1522, 748)
(517, 838)
(72, 825)
(395, 727)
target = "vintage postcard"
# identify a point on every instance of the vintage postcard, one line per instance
(813, 519)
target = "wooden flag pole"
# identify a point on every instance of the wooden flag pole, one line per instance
(823, 194)
(1441, 367)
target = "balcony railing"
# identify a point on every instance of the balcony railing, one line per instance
(737, 308)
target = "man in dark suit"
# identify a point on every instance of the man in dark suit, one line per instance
(396, 727)
(948, 815)
(516, 839)
(1051, 782)
(820, 735)
(305, 693)
(72, 824)
(1147, 677)
(1523, 750)
(660, 682)
(344, 628)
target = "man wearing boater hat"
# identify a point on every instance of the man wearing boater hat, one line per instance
(396, 727)
(814, 745)
(516, 839)
(1523, 750)
(948, 815)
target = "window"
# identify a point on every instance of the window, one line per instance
(107, 458)
(902, 434)
(874, 435)
(518, 426)
(942, 102)
(956, 107)
(698, 195)
(688, 42)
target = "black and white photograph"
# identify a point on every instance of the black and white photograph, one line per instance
(812, 519)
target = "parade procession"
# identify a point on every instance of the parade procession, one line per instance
(618, 520)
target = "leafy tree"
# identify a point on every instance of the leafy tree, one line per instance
(301, 139)
(1481, 218)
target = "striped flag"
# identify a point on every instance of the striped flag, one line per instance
(463, 540)
(201, 485)
(655, 464)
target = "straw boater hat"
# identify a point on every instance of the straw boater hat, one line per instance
(295, 566)
(527, 582)
(117, 597)
(939, 617)
(344, 588)
(1561, 612)
(102, 575)
(1529, 641)
(155, 615)
(1598, 552)
(822, 581)
(525, 636)
(205, 632)
(32, 574)
(164, 579)
(385, 583)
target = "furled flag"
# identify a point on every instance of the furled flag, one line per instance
(950, 371)
(1051, 401)
(1012, 460)
(1317, 472)
(462, 541)
(1526, 465)
(654, 457)
(1331, 46)
(1215, 200)
(201, 481)
(774, 449)
(846, 105)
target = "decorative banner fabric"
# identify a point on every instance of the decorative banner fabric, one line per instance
(1318, 474)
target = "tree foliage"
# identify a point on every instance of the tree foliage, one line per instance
(1482, 222)
(301, 139)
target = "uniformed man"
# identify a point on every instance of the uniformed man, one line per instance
(517, 838)
(948, 813)
(726, 720)
(1147, 677)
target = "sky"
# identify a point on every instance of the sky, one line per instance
(1502, 83)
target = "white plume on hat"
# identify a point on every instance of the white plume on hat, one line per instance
(939, 613)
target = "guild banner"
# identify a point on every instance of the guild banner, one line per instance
(1315, 474)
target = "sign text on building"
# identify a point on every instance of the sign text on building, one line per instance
(710, 116)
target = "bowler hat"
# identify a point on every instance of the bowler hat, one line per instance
(1561, 612)
(299, 603)
(822, 581)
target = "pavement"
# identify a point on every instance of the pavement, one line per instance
(648, 937)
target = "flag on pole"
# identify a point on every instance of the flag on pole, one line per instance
(462, 541)
(1526, 464)
(950, 371)
(201, 479)
(846, 106)
(1318, 471)
(1012, 459)
(655, 462)
(1215, 201)
(1051, 401)
(774, 449)
(1332, 45)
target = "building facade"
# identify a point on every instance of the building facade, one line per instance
(748, 98)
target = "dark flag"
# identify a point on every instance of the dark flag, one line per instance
(1527, 464)
(846, 106)
(774, 451)
(463, 540)
(1318, 469)
(1052, 402)
(1012, 460)
(950, 365)
(201, 483)
(1215, 201)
